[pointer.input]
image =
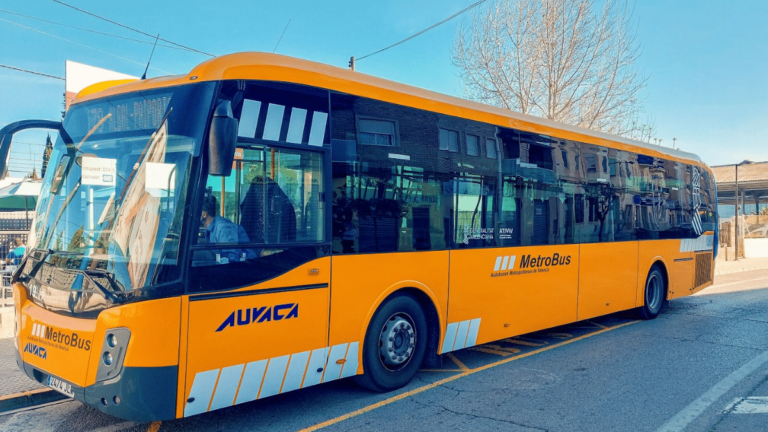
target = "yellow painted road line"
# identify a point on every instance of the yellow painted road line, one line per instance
(596, 324)
(501, 348)
(25, 393)
(440, 370)
(524, 343)
(154, 426)
(453, 378)
(458, 362)
(491, 351)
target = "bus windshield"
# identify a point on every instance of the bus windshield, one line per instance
(113, 198)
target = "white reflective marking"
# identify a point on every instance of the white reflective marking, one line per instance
(295, 373)
(461, 335)
(750, 405)
(273, 380)
(474, 327)
(41, 331)
(316, 361)
(688, 414)
(227, 387)
(333, 369)
(202, 389)
(34, 329)
(450, 336)
(251, 382)
(498, 264)
(249, 118)
(511, 265)
(296, 125)
(504, 263)
(317, 133)
(274, 122)
(350, 366)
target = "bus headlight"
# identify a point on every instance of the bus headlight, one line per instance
(113, 353)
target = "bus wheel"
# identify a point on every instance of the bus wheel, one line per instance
(394, 345)
(655, 288)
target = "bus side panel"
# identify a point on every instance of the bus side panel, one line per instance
(498, 293)
(257, 342)
(681, 276)
(607, 278)
(183, 343)
(361, 282)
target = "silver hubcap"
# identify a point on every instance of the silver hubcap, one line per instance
(653, 292)
(397, 341)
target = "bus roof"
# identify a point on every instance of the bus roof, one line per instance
(274, 67)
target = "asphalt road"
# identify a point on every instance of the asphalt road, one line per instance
(701, 366)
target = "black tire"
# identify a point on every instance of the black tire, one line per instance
(654, 295)
(396, 318)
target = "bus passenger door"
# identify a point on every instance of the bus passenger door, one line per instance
(259, 283)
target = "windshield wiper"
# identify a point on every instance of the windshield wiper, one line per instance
(36, 268)
(116, 294)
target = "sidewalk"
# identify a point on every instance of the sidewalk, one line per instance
(743, 264)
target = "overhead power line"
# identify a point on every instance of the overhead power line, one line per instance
(31, 72)
(131, 28)
(478, 3)
(82, 45)
(92, 31)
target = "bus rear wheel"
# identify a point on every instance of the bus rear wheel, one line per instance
(394, 345)
(654, 295)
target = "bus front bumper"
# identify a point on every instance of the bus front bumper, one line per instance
(138, 394)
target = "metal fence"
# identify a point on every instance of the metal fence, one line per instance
(7, 244)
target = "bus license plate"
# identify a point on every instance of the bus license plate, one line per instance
(61, 386)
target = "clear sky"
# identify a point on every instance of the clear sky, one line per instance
(705, 60)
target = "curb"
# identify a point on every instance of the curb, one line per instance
(744, 269)
(29, 399)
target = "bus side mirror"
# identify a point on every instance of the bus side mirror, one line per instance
(222, 140)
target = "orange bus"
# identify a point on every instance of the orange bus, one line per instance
(264, 224)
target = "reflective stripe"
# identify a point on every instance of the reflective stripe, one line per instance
(511, 262)
(317, 133)
(474, 327)
(295, 373)
(274, 122)
(41, 331)
(202, 389)
(249, 118)
(227, 387)
(349, 368)
(251, 382)
(317, 361)
(504, 263)
(497, 267)
(333, 369)
(461, 335)
(450, 337)
(274, 377)
(296, 126)
(34, 329)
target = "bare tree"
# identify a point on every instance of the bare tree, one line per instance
(567, 60)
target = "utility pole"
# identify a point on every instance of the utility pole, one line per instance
(352, 63)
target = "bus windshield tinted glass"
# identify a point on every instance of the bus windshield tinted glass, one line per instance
(114, 197)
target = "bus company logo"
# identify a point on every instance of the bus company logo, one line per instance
(36, 350)
(259, 315)
(62, 339)
(505, 265)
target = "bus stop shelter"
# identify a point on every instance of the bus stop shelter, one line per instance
(751, 182)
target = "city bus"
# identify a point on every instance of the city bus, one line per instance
(264, 224)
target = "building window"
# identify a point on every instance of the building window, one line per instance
(472, 149)
(490, 148)
(376, 132)
(449, 140)
(565, 158)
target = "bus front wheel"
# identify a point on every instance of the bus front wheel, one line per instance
(394, 344)
(655, 290)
